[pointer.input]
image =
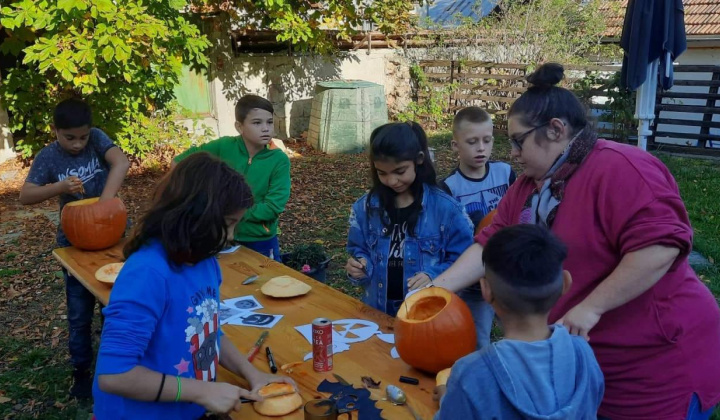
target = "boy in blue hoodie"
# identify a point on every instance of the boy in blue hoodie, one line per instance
(537, 371)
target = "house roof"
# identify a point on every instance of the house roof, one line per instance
(446, 12)
(702, 17)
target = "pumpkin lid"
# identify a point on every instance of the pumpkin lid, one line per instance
(109, 272)
(284, 287)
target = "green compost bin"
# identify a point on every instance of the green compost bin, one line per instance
(344, 113)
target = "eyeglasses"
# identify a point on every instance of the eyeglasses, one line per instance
(518, 141)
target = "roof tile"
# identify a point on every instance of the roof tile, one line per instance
(702, 17)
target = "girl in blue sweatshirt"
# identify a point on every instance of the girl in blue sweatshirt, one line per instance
(162, 346)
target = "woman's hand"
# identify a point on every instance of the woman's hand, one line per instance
(356, 268)
(220, 397)
(260, 379)
(580, 320)
(418, 281)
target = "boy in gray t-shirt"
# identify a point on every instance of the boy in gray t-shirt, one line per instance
(478, 184)
(82, 163)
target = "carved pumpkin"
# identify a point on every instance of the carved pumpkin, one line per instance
(433, 329)
(486, 221)
(91, 224)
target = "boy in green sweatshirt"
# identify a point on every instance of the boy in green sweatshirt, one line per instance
(266, 170)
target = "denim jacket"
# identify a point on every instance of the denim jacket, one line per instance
(443, 232)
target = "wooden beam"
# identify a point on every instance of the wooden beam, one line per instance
(697, 83)
(691, 123)
(687, 68)
(694, 136)
(485, 98)
(689, 95)
(690, 108)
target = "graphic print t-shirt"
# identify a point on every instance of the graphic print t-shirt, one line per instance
(163, 318)
(395, 266)
(480, 196)
(53, 164)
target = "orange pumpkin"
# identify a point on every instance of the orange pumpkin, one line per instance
(91, 224)
(433, 329)
(486, 221)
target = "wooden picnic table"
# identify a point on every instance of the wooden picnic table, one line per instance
(368, 358)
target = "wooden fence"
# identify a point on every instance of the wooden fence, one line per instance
(677, 107)
(495, 86)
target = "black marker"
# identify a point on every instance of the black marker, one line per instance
(271, 360)
(408, 380)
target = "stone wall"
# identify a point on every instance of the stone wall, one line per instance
(289, 83)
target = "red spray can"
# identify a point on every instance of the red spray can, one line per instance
(322, 345)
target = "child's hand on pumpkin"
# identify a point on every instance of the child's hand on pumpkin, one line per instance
(356, 267)
(72, 185)
(438, 392)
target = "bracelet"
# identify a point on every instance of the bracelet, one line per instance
(177, 397)
(162, 385)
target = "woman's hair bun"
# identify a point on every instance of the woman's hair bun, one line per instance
(547, 75)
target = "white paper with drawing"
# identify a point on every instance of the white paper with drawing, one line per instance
(255, 319)
(243, 303)
(346, 332)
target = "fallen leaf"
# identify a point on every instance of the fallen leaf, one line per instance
(4, 400)
(370, 382)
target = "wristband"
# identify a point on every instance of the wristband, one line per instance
(177, 397)
(162, 385)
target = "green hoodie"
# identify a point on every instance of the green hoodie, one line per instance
(267, 173)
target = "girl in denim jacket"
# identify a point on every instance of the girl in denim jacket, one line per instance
(406, 230)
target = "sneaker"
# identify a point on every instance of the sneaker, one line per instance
(82, 384)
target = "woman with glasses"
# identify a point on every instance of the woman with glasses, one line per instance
(654, 327)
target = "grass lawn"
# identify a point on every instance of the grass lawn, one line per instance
(699, 182)
(34, 374)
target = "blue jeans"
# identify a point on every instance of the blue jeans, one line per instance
(694, 411)
(482, 313)
(269, 248)
(80, 309)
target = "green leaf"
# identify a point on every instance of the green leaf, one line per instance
(108, 53)
(104, 5)
(7, 22)
(127, 77)
(122, 53)
(69, 5)
(12, 46)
